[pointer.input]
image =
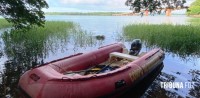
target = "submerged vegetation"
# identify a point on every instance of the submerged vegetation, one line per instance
(182, 40)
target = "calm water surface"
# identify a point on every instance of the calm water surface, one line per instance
(176, 69)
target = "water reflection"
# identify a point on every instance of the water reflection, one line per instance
(27, 50)
(195, 91)
(155, 90)
(1, 53)
(138, 90)
(82, 39)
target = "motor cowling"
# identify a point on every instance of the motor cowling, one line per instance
(135, 47)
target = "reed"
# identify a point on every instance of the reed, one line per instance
(81, 38)
(38, 41)
(183, 40)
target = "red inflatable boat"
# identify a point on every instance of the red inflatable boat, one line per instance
(107, 71)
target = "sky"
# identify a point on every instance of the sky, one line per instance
(86, 5)
(89, 6)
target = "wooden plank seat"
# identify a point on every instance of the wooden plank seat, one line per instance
(122, 56)
(120, 59)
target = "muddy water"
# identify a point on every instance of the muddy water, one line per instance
(14, 61)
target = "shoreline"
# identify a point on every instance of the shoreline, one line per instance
(126, 14)
(93, 13)
(101, 14)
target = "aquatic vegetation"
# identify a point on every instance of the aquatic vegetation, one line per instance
(37, 40)
(194, 21)
(182, 40)
(81, 38)
(4, 24)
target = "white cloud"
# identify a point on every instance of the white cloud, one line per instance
(80, 1)
(115, 3)
(96, 2)
(58, 9)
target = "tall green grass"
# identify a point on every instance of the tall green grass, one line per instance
(37, 41)
(40, 41)
(183, 40)
(4, 24)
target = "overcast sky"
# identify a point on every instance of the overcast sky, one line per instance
(88, 5)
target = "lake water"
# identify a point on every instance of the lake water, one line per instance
(176, 69)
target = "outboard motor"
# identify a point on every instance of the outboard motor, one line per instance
(135, 47)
